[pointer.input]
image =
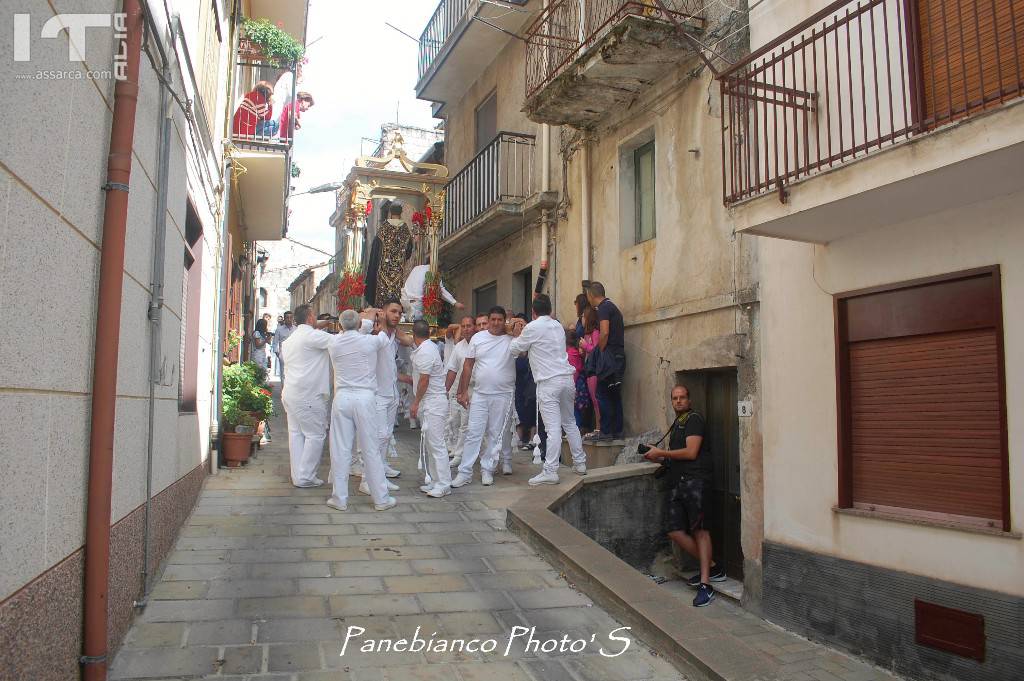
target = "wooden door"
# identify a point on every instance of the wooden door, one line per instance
(713, 394)
(971, 56)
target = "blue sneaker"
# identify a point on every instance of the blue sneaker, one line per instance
(705, 594)
(716, 574)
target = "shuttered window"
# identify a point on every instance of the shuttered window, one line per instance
(921, 397)
(972, 55)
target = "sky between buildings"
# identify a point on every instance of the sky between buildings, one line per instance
(360, 73)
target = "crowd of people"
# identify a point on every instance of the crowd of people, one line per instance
(462, 396)
(492, 380)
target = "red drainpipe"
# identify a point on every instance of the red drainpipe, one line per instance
(104, 376)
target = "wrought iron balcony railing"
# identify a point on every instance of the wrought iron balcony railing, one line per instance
(501, 173)
(568, 28)
(860, 76)
(444, 20)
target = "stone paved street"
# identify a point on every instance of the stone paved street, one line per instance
(265, 581)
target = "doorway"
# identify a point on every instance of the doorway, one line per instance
(713, 394)
(485, 297)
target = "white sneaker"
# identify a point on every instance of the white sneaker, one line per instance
(439, 491)
(579, 469)
(364, 488)
(506, 469)
(316, 482)
(426, 488)
(392, 487)
(461, 480)
(336, 505)
(390, 472)
(356, 471)
(413, 425)
(456, 462)
(389, 502)
(486, 478)
(544, 478)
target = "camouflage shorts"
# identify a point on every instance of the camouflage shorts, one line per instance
(687, 506)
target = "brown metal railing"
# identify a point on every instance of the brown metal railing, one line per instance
(568, 28)
(860, 76)
(501, 172)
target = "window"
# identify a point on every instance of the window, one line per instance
(922, 406)
(637, 205)
(210, 39)
(643, 201)
(485, 297)
(523, 291)
(486, 119)
(191, 287)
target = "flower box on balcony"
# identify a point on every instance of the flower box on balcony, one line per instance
(250, 51)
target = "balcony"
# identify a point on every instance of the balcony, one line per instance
(263, 143)
(902, 109)
(493, 197)
(460, 40)
(587, 58)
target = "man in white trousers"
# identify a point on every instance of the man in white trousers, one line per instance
(430, 406)
(458, 417)
(353, 415)
(305, 395)
(387, 387)
(490, 364)
(543, 341)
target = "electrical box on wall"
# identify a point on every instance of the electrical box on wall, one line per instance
(745, 408)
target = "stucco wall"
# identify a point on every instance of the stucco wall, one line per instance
(51, 170)
(800, 394)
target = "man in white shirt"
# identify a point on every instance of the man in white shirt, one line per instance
(281, 333)
(354, 356)
(543, 340)
(430, 406)
(490, 364)
(415, 287)
(387, 387)
(304, 395)
(458, 416)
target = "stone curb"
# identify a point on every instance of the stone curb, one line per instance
(696, 646)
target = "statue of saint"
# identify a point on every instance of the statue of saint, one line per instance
(385, 271)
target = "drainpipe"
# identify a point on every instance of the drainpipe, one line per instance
(107, 339)
(585, 206)
(156, 297)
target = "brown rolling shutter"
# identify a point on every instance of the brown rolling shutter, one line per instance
(972, 55)
(921, 400)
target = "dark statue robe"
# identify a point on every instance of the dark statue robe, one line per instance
(385, 271)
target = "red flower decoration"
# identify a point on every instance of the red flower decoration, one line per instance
(428, 211)
(369, 207)
(417, 218)
(351, 290)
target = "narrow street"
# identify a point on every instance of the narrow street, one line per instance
(265, 581)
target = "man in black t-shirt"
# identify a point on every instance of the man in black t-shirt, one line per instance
(690, 473)
(611, 363)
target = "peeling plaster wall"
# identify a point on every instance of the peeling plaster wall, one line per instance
(678, 291)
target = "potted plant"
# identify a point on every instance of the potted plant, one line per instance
(236, 433)
(264, 41)
(245, 403)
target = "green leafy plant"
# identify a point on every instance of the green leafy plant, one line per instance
(296, 171)
(234, 339)
(246, 399)
(278, 46)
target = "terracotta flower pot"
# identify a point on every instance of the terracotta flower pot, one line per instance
(236, 448)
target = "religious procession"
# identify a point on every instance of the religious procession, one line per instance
(342, 384)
